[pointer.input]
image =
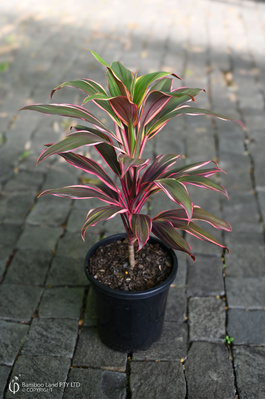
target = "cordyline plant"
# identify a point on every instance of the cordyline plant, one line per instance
(139, 107)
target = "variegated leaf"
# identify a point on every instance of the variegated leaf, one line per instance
(141, 226)
(176, 192)
(100, 214)
(165, 231)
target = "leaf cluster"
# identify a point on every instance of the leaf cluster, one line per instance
(140, 107)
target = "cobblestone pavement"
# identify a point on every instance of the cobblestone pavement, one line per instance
(48, 336)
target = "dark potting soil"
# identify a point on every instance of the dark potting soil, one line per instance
(110, 266)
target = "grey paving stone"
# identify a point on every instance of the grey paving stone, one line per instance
(242, 213)
(11, 339)
(29, 267)
(172, 345)
(18, 302)
(209, 372)
(66, 270)
(176, 307)
(4, 373)
(49, 210)
(73, 245)
(245, 293)
(181, 276)
(61, 303)
(206, 319)
(249, 365)
(39, 238)
(246, 327)
(92, 352)
(9, 210)
(200, 247)
(250, 264)
(47, 372)
(24, 181)
(95, 384)
(157, 380)
(9, 234)
(51, 337)
(205, 276)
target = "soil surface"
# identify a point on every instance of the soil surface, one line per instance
(110, 266)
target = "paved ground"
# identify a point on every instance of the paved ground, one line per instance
(48, 335)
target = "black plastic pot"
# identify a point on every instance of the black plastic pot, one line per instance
(130, 321)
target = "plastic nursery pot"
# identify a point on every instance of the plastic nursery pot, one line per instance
(130, 321)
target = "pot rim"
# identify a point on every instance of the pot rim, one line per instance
(132, 294)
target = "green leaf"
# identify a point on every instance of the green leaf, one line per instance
(102, 101)
(122, 73)
(143, 82)
(141, 226)
(99, 59)
(100, 214)
(87, 85)
(112, 85)
(165, 231)
(177, 193)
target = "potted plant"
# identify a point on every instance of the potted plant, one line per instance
(130, 273)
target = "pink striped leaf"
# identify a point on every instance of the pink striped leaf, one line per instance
(155, 101)
(100, 214)
(72, 142)
(127, 162)
(165, 231)
(90, 166)
(202, 182)
(201, 234)
(158, 167)
(178, 217)
(68, 110)
(82, 192)
(141, 226)
(176, 192)
(125, 110)
(188, 169)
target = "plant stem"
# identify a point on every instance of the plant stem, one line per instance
(131, 255)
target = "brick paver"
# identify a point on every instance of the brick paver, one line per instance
(47, 325)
